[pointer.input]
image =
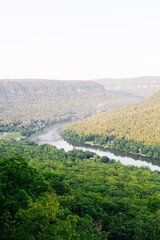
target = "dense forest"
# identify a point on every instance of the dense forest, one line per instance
(46, 193)
(29, 105)
(134, 128)
(51, 194)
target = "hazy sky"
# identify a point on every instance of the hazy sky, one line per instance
(79, 39)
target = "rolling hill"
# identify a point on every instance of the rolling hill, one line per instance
(139, 122)
(32, 104)
(42, 102)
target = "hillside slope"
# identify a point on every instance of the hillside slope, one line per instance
(139, 122)
(51, 100)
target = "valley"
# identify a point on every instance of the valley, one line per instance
(79, 120)
(29, 105)
(51, 188)
(52, 137)
(133, 128)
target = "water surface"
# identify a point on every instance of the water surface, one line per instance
(52, 136)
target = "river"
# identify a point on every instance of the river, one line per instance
(52, 136)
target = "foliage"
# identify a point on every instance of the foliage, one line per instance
(88, 197)
(19, 183)
(134, 128)
(44, 219)
(111, 142)
(29, 105)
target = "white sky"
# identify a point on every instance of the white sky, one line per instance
(79, 39)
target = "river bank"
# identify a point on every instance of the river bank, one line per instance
(52, 136)
(109, 147)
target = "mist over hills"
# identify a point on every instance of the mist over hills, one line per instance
(140, 87)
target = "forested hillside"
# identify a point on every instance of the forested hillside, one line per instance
(139, 123)
(35, 103)
(51, 194)
(29, 105)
